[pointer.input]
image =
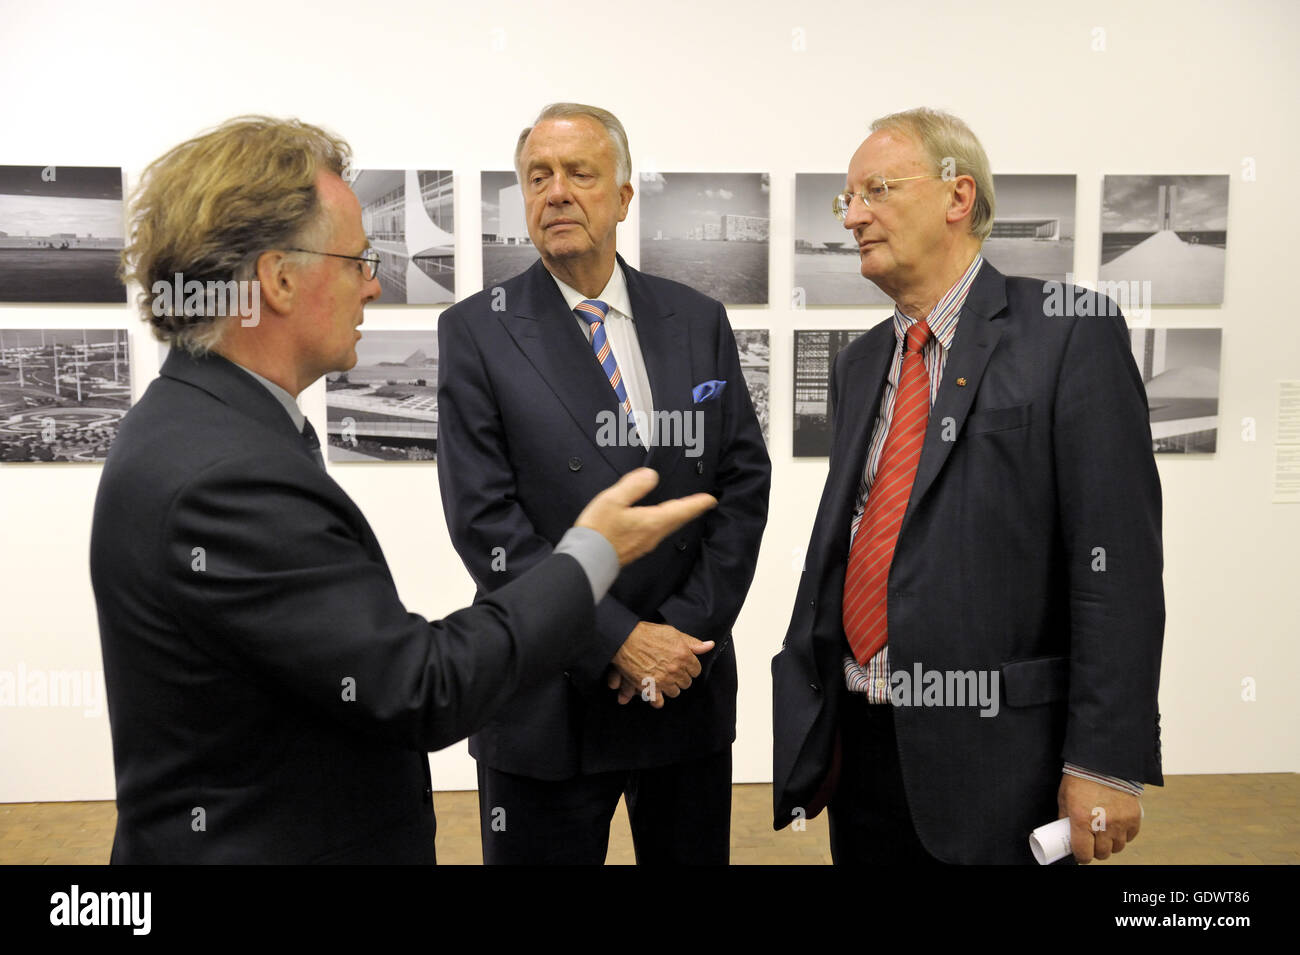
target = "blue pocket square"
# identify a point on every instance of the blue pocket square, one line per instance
(707, 390)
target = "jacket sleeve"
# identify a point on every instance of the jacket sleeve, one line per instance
(495, 539)
(709, 601)
(266, 571)
(1110, 513)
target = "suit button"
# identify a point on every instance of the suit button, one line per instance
(814, 687)
(680, 545)
(428, 794)
(575, 463)
(699, 467)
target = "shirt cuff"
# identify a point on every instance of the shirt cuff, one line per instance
(595, 555)
(1114, 782)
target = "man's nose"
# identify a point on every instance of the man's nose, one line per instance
(557, 193)
(859, 213)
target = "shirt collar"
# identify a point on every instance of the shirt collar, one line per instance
(615, 294)
(282, 396)
(943, 318)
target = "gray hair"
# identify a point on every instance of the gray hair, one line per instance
(952, 146)
(617, 135)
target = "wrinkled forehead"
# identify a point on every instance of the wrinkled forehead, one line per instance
(889, 153)
(568, 139)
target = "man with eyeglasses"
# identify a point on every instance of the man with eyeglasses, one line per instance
(270, 698)
(975, 645)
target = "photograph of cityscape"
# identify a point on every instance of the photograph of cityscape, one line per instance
(1033, 226)
(409, 216)
(1180, 368)
(507, 249)
(756, 365)
(826, 266)
(708, 230)
(63, 392)
(61, 230)
(1171, 231)
(814, 351)
(386, 407)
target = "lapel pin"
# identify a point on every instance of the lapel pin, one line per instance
(961, 382)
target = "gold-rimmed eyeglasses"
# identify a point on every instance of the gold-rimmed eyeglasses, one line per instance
(874, 189)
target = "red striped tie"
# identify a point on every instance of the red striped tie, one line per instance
(872, 552)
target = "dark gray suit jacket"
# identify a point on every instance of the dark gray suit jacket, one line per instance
(270, 698)
(1047, 458)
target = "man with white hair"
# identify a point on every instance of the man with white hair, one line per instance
(975, 644)
(562, 378)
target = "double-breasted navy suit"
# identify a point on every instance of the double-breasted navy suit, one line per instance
(521, 403)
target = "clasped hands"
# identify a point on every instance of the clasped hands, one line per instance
(656, 661)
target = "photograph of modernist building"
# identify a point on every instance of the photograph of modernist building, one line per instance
(408, 215)
(826, 266)
(1033, 226)
(814, 352)
(61, 232)
(1180, 368)
(1171, 231)
(756, 365)
(708, 230)
(63, 392)
(386, 407)
(507, 249)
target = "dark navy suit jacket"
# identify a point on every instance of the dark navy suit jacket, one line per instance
(1036, 471)
(270, 698)
(520, 402)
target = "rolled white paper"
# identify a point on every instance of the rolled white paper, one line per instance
(1050, 842)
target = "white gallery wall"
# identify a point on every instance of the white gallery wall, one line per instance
(761, 86)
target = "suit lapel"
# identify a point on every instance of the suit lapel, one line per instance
(547, 333)
(859, 407)
(665, 349)
(972, 345)
(855, 416)
(856, 412)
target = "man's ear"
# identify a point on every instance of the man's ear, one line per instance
(279, 281)
(961, 202)
(625, 193)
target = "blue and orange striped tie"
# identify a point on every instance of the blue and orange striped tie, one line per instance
(593, 312)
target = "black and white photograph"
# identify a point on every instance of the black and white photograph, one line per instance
(814, 351)
(63, 392)
(507, 248)
(1180, 368)
(708, 230)
(1171, 231)
(61, 234)
(1033, 226)
(755, 352)
(409, 216)
(827, 269)
(386, 407)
